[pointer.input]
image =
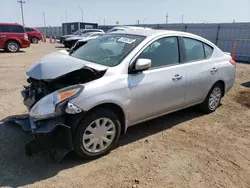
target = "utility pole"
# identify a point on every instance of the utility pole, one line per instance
(81, 11)
(44, 20)
(21, 2)
(182, 18)
(104, 21)
(166, 18)
(66, 16)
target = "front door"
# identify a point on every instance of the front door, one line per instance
(161, 88)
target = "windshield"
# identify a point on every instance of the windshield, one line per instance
(108, 50)
(77, 32)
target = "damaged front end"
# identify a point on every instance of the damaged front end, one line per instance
(52, 119)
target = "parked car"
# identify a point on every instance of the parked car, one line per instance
(69, 42)
(78, 33)
(125, 28)
(34, 34)
(13, 37)
(84, 101)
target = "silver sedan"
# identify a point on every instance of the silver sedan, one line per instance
(119, 80)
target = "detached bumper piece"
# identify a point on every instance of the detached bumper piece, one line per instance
(50, 135)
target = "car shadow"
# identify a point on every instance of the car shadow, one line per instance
(60, 47)
(19, 170)
(20, 51)
(246, 84)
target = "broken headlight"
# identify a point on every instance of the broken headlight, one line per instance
(47, 106)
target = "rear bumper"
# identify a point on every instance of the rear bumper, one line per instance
(67, 44)
(25, 44)
(62, 40)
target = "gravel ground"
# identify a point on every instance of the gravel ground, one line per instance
(183, 149)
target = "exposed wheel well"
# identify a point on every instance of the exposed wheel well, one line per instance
(117, 110)
(14, 41)
(223, 86)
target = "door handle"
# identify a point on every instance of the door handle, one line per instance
(214, 70)
(177, 77)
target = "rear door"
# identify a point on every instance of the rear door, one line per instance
(3, 35)
(201, 70)
(161, 88)
(17, 31)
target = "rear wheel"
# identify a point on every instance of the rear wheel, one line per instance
(34, 40)
(12, 46)
(213, 98)
(97, 134)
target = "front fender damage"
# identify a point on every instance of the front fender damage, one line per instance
(51, 135)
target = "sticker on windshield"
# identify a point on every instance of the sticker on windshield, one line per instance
(126, 40)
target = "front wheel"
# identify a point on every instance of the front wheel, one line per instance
(97, 134)
(34, 40)
(213, 99)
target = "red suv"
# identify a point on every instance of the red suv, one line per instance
(34, 34)
(13, 37)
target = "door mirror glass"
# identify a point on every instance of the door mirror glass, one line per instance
(142, 64)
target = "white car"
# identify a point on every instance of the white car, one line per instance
(125, 28)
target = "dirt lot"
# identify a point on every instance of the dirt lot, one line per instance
(184, 149)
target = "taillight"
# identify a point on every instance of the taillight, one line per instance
(25, 36)
(233, 62)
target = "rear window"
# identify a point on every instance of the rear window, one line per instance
(11, 29)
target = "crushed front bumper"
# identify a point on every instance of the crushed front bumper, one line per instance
(51, 135)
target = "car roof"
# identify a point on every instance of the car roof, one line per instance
(131, 27)
(94, 32)
(11, 24)
(153, 32)
(91, 29)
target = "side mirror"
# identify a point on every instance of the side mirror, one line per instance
(142, 64)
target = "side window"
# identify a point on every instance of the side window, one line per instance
(4, 29)
(16, 29)
(162, 52)
(27, 29)
(194, 49)
(208, 50)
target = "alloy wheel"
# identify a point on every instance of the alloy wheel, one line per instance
(214, 98)
(13, 46)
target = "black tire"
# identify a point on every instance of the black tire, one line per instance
(205, 107)
(12, 46)
(34, 40)
(87, 120)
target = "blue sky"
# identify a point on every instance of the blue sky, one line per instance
(126, 11)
